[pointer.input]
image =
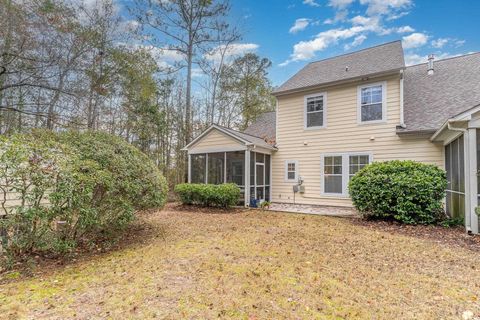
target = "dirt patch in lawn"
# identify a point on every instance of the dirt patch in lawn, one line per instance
(256, 265)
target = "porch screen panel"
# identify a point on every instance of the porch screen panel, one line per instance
(198, 168)
(236, 168)
(216, 167)
(455, 167)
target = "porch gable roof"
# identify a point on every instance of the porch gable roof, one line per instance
(244, 138)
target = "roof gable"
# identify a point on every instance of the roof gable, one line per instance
(371, 61)
(240, 137)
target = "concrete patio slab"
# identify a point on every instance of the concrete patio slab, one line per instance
(311, 209)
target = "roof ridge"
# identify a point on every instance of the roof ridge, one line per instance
(238, 131)
(447, 58)
(353, 52)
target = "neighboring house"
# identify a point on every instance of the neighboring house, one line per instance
(337, 115)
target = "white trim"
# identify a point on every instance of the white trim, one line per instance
(206, 168)
(214, 126)
(189, 168)
(217, 149)
(276, 121)
(384, 102)
(454, 136)
(261, 150)
(324, 111)
(472, 177)
(247, 178)
(345, 171)
(402, 116)
(270, 180)
(287, 162)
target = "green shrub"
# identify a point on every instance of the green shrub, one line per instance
(407, 191)
(72, 187)
(210, 195)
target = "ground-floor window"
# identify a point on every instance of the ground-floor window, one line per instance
(455, 168)
(338, 169)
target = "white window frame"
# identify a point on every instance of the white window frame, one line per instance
(305, 98)
(345, 171)
(383, 84)
(287, 162)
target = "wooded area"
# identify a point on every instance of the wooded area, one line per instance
(155, 72)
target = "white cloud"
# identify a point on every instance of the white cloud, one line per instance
(412, 59)
(387, 8)
(340, 4)
(356, 42)
(299, 25)
(232, 51)
(340, 15)
(459, 43)
(404, 29)
(311, 3)
(440, 42)
(305, 50)
(414, 40)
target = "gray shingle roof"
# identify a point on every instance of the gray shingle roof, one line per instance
(264, 126)
(430, 100)
(250, 138)
(374, 60)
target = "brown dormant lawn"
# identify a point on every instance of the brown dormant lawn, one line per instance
(255, 265)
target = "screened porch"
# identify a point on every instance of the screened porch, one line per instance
(223, 155)
(250, 170)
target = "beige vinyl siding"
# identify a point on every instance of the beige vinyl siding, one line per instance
(216, 140)
(343, 134)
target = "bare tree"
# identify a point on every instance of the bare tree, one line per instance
(190, 27)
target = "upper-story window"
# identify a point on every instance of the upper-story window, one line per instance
(372, 103)
(315, 110)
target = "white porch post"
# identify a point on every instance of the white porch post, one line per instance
(189, 168)
(471, 199)
(247, 178)
(224, 167)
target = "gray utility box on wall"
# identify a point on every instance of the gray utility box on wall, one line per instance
(297, 188)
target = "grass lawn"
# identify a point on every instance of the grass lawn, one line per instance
(255, 265)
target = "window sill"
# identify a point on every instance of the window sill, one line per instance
(314, 128)
(335, 195)
(363, 123)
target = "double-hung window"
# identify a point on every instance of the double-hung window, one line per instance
(291, 169)
(338, 169)
(315, 110)
(372, 103)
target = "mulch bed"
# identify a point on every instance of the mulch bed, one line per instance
(451, 236)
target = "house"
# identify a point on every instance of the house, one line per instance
(337, 115)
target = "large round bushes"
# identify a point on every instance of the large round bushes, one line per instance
(407, 191)
(62, 189)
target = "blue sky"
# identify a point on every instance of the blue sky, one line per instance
(292, 33)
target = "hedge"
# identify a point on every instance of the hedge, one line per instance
(73, 187)
(210, 195)
(406, 191)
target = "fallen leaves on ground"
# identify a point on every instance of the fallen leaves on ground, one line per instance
(206, 264)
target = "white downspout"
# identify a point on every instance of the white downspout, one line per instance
(402, 118)
(468, 218)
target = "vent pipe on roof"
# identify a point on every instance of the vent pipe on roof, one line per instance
(431, 57)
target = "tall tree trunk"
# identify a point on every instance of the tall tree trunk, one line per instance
(188, 100)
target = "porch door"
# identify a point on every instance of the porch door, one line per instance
(260, 176)
(260, 181)
(455, 167)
